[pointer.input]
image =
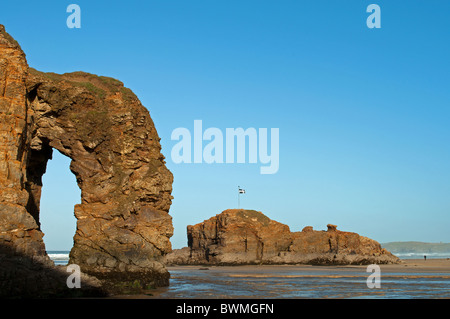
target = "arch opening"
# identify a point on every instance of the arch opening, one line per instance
(59, 194)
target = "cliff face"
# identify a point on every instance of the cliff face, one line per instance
(123, 225)
(249, 237)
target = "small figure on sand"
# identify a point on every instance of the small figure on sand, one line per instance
(425, 257)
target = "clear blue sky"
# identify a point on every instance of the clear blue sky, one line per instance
(363, 113)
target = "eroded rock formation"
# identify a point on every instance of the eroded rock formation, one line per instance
(238, 236)
(123, 225)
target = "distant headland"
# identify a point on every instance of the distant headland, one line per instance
(415, 249)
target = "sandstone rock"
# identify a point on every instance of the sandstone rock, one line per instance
(237, 237)
(123, 225)
(307, 229)
(331, 227)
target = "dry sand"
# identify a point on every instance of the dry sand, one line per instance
(420, 265)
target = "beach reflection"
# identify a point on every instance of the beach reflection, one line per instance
(303, 282)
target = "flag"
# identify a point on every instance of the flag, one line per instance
(241, 191)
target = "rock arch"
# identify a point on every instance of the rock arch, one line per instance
(123, 225)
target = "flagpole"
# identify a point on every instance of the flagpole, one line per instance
(240, 191)
(239, 197)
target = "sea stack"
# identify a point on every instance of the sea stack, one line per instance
(239, 237)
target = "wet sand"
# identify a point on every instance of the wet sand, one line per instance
(190, 281)
(406, 265)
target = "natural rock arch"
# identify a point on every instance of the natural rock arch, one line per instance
(123, 225)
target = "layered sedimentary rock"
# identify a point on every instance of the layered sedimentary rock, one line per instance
(238, 236)
(123, 225)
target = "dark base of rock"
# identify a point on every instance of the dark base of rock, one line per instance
(118, 283)
(185, 257)
(21, 278)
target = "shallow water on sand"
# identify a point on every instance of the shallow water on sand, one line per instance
(304, 282)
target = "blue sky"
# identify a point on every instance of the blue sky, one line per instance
(363, 113)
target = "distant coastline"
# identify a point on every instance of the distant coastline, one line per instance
(417, 249)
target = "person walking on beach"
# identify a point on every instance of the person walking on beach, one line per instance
(425, 257)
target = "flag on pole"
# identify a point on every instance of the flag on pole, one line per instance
(240, 191)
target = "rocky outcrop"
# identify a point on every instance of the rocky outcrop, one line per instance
(238, 236)
(123, 225)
